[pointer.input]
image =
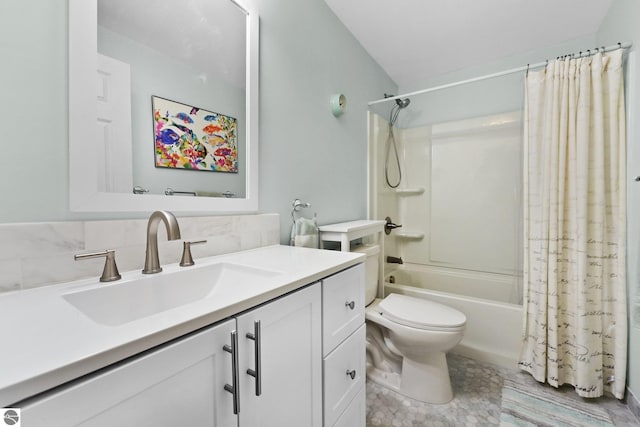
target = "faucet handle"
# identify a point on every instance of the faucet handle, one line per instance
(390, 225)
(110, 271)
(187, 259)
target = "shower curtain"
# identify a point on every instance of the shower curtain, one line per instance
(575, 320)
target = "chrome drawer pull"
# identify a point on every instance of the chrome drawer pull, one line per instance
(257, 373)
(351, 374)
(233, 389)
(351, 304)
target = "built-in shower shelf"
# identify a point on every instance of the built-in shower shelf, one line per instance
(410, 235)
(409, 191)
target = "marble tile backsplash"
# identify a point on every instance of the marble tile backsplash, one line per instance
(40, 254)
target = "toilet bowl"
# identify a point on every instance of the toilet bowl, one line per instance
(408, 338)
(407, 341)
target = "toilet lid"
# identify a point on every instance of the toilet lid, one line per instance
(420, 313)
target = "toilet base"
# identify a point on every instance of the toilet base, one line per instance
(426, 381)
(387, 379)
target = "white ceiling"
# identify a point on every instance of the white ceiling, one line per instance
(414, 40)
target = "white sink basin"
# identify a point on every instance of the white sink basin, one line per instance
(144, 295)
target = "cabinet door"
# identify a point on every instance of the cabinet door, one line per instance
(290, 364)
(179, 384)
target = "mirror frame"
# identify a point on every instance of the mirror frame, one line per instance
(83, 183)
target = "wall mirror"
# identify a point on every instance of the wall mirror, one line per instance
(201, 55)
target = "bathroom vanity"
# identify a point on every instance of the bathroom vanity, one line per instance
(272, 336)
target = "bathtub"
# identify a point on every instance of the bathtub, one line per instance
(493, 330)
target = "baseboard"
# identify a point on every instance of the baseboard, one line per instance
(633, 404)
(482, 355)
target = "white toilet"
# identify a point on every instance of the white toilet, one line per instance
(407, 340)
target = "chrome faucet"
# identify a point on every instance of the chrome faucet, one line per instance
(152, 262)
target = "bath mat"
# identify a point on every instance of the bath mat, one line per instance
(526, 406)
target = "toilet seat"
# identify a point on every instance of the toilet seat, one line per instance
(421, 314)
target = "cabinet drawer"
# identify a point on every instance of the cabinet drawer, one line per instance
(339, 387)
(342, 306)
(356, 413)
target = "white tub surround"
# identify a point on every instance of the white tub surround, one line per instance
(39, 254)
(477, 284)
(54, 342)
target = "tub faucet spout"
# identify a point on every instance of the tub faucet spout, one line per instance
(152, 261)
(394, 260)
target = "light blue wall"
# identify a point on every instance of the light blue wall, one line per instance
(305, 152)
(514, 61)
(33, 111)
(621, 25)
(306, 54)
(481, 98)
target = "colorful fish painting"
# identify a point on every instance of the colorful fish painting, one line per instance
(222, 151)
(184, 129)
(211, 129)
(203, 142)
(184, 117)
(168, 137)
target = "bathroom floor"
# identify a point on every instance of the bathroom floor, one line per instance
(477, 399)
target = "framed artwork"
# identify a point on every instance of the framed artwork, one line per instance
(187, 137)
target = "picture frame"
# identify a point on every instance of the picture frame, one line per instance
(191, 138)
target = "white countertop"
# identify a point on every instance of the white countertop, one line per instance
(46, 341)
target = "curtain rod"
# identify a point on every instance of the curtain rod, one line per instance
(586, 53)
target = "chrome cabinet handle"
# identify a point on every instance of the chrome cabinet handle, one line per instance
(255, 336)
(257, 373)
(351, 374)
(233, 389)
(350, 304)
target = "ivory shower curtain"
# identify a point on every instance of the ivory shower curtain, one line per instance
(575, 321)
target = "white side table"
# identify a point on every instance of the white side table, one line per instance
(346, 232)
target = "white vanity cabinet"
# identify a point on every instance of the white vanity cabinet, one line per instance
(288, 357)
(344, 356)
(183, 383)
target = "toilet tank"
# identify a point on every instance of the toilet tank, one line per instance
(371, 268)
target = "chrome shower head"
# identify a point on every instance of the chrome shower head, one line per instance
(403, 103)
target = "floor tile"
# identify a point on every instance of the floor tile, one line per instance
(477, 398)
